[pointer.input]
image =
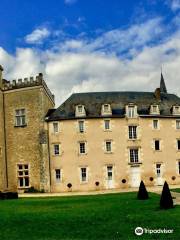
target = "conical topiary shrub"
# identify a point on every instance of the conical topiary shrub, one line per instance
(142, 193)
(166, 198)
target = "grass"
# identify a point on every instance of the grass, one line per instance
(110, 216)
(175, 190)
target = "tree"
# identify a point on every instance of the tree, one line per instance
(166, 201)
(142, 193)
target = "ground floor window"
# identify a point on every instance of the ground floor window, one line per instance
(109, 172)
(179, 167)
(158, 169)
(58, 175)
(134, 155)
(83, 174)
(23, 175)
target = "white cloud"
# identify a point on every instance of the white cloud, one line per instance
(85, 65)
(175, 5)
(69, 1)
(37, 36)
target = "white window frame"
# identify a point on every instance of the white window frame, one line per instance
(107, 145)
(134, 155)
(158, 169)
(154, 109)
(55, 129)
(177, 124)
(78, 112)
(131, 111)
(109, 170)
(56, 152)
(176, 110)
(83, 179)
(20, 117)
(58, 174)
(132, 132)
(109, 124)
(21, 174)
(81, 126)
(80, 148)
(106, 109)
(153, 124)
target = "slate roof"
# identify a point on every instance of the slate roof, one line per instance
(93, 102)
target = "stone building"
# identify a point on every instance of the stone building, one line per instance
(92, 141)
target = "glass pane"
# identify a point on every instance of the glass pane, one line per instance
(26, 182)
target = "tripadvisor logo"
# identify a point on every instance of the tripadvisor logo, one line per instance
(139, 231)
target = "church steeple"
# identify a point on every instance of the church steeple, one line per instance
(162, 85)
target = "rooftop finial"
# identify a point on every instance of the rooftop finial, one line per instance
(162, 84)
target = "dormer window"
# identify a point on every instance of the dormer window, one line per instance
(176, 110)
(131, 111)
(154, 109)
(80, 111)
(106, 109)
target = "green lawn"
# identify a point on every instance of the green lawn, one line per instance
(175, 190)
(110, 216)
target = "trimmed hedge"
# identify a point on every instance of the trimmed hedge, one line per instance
(8, 195)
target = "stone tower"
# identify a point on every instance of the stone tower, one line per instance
(25, 158)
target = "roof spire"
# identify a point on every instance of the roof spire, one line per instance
(162, 84)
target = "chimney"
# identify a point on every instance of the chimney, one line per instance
(1, 80)
(157, 94)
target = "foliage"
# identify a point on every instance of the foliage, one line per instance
(166, 198)
(142, 193)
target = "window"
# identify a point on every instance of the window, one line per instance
(80, 108)
(157, 145)
(56, 149)
(106, 124)
(58, 175)
(80, 111)
(177, 124)
(176, 110)
(158, 169)
(20, 118)
(178, 144)
(179, 167)
(81, 126)
(134, 155)
(83, 175)
(106, 109)
(131, 111)
(155, 124)
(108, 146)
(82, 147)
(23, 175)
(132, 132)
(109, 172)
(55, 127)
(154, 109)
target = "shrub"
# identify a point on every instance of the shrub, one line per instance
(166, 201)
(8, 195)
(142, 193)
(31, 190)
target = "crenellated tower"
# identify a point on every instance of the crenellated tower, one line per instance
(23, 105)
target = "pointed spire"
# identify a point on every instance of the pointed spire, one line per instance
(162, 84)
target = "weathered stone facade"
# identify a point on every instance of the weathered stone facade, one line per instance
(24, 145)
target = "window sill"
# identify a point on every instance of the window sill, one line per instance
(135, 163)
(22, 126)
(108, 152)
(82, 183)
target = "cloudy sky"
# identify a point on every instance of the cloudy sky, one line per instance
(96, 45)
